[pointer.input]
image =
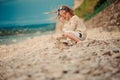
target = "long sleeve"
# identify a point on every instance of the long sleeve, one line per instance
(75, 24)
(81, 26)
(71, 25)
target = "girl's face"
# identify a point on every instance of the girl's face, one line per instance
(64, 14)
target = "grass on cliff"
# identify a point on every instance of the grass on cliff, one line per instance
(86, 8)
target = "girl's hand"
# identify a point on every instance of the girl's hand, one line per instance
(62, 19)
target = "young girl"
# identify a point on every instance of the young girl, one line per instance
(73, 27)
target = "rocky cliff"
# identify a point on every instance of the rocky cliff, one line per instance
(108, 19)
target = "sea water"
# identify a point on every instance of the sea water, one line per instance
(17, 33)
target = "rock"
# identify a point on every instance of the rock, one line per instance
(116, 51)
(85, 71)
(65, 72)
(77, 72)
(29, 76)
(107, 53)
(97, 72)
(63, 57)
(116, 56)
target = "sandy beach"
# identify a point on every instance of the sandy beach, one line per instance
(97, 58)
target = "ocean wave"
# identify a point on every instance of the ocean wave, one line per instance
(27, 29)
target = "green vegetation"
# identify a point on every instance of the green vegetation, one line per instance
(90, 8)
(86, 8)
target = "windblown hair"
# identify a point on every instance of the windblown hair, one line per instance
(66, 8)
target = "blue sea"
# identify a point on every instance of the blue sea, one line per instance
(23, 19)
(16, 33)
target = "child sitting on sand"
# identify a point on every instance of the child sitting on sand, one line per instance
(73, 28)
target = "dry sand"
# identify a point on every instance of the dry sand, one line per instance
(98, 58)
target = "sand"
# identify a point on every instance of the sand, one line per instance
(97, 58)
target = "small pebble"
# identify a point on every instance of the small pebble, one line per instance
(77, 71)
(116, 51)
(107, 53)
(29, 76)
(65, 72)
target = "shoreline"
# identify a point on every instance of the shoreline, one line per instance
(50, 36)
(13, 39)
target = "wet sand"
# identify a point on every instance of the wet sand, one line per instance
(97, 58)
